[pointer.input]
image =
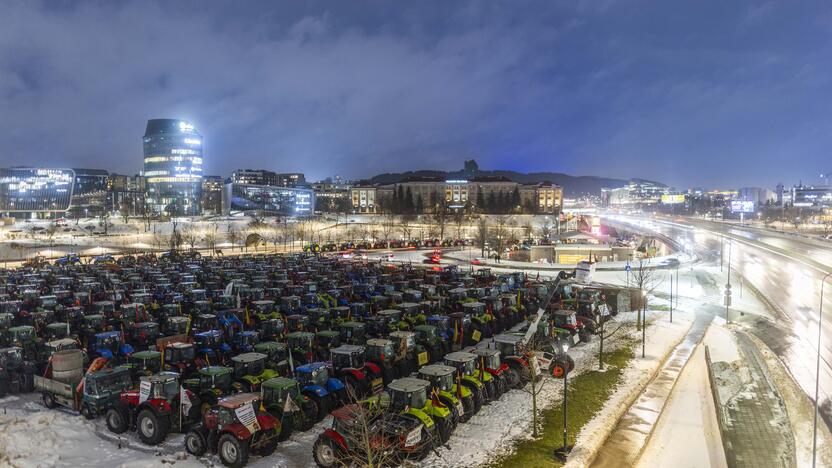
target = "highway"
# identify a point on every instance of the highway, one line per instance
(788, 271)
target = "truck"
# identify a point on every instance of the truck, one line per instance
(93, 395)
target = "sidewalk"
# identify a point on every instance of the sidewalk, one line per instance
(753, 416)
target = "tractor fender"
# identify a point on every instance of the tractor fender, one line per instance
(359, 376)
(423, 417)
(316, 390)
(237, 430)
(337, 438)
(472, 380)
(334, 385)
(106, 354)
(516, 362)
(225, 348)
(157, 405)
(373, 368)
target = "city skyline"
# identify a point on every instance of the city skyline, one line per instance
(688, 98)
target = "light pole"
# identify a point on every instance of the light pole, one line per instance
(671, 297)
(817, 374)
(643, 322)
(728, 284)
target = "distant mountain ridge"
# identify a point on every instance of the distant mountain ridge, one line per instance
(572, 185)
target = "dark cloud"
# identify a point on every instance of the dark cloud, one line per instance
(706, 93)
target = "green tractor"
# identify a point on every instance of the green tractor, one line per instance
(302, 347)
(458, 397)
(483, 322)
(210, 383)
(282, 398)
(411, 396)
(278, 355)
(467, 374)
(428, 337)
(144, 363)
(250, 371)
(353, 333)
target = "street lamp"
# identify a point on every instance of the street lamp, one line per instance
(643, 321)
(817, 374)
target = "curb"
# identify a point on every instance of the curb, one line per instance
(718, 407)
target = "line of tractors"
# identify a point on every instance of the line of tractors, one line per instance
(239, 353)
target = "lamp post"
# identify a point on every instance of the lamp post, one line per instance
(643, 321)
(817, 374)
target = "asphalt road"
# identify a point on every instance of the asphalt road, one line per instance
(788, 270)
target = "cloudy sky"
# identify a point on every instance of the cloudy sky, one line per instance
(707, 93)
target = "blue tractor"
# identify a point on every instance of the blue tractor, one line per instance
(210, 346)
(109, 345)
(244, 341)
(327, 393)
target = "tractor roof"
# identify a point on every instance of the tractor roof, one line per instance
(301, 334)
(424, 327)
(269, 345)
(279, 382)
(347, 413)
(408, 385)
(460, 356)
(236, 401)
(565, 312)
(378, 342)
(162, 377)
(180, 345)
(21, 328)
(147, 355)
(348, 349)
(311, 367)
(263, 302)
(248, 357)
(436, 370)
(353, 325)
(57, 326)
(389, 312)
(485, 352)
(215, 370)
(61, 342)
(504, 338)
(401, 334)
(471, 305)
(108, 334)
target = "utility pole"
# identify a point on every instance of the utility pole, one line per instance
(671, 298)
(562, 452)
(728, 286)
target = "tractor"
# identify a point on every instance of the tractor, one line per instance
(353, 332)
(271, 329)
(414, 397)
(505, 376)
(323, 391)
(407, 354)
(144, 363)
(465, 365)
(250, 371)
(283, 398)
(233, 428)
(361, 378)
(278, 356)
(155, 409)
(210, 383)
(210, 345)
(16, 374)
(324, 341)
(179, 357)
(110, 346)
(301, 346)
(457, 397)
(428, 337)
(381, 353)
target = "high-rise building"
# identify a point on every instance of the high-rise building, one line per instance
(212, 187)
(254, 177)
(173, 167)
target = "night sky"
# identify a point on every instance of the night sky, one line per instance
(694, 93)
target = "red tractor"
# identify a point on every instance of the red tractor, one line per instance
(155, 409)
(506, 377)
(234, 428)
(361, 378)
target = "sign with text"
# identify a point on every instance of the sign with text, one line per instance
(742, 206)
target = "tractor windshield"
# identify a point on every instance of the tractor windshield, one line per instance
(113, 382)
(186, 353)
(445, 382)
(400, 400)
(11, 357)
(492, 361)
(167, 389)
(316, 377)
(255, 367)
(220, 381)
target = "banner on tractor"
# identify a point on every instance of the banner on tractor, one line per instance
(144, 390)
(248, 417)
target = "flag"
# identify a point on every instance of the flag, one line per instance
(238, 299)
(228, 289)
(248, 320)
(290, 406)
(456, 332)
(184, 400)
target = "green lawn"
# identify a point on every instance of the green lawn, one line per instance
(587, 394)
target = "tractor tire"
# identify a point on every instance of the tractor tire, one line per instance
(513, 379)
(558, 368)
(327, 453)
(490, 388)
(4, 387)
(321, 407)
(479, 398)
(151, 427)
(117, 419)
(48, 400)
(502, 385)
(232, 451)
(88, 412)
(195, 443)
(270, 446)
(27, 382)
(446, 428)
(287, 425)
(468, 409)
(310, 412)
(426, 446)
(454, 412)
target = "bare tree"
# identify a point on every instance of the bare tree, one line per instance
(189, 236)
(644, 279)
(528, 229)
(545, 230)
(459, 220)
(440, 219)
(210, 240)
(234, 236)
(405, 228)
(388, 223)
(482, 234)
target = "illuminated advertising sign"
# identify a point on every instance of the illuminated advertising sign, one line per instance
(672, 199)
(742, 206)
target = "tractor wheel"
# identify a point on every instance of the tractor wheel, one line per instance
(558, 368)
(117, 419)
(87, 412)
(490, 388)
(195, 443)
(446, 428)
(151, 427)
(27, 383)
(287, 425)
(310, 412)
(233, 452)
(48, 400)
(502, 385)
(454, 411)
(467, 409)
(321, 409)
(4, 387)
(327, 453)
(270, 446)
(513, 379)
(478, 397)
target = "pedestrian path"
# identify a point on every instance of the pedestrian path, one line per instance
(628, 439)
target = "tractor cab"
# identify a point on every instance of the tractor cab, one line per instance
(209, 343)
(145, 362)
(143, 334)
(110, 345)
(353, 332)
(60, 344)
(349, 364)
(56, 331)
(359, 309)
(435, 345)
(442, 324)
(179, 356)
(278, 355)
(250, 370)
(103, 388)
(265, 309)
(474, 376)
(326, 340)
(210, 382)
(380, 352)
(244, 341)
(301, 345)
(271, 329)
(205, 322)
(297, 322)
(443, 381)
(177, 325)
(491, 362)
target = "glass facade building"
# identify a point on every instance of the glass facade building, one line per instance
(173, 167)
(267, 200)
(36, 190)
